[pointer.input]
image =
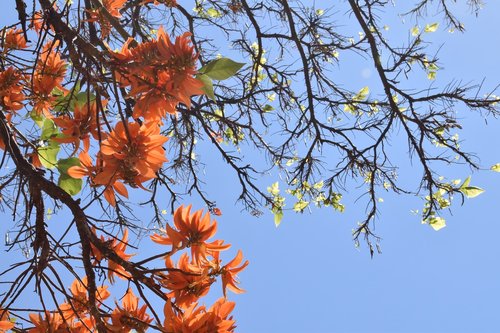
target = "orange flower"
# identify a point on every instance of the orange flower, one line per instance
(14, 40)
(188, 282)
(11, 95)
(192, 231)
(156, 100)
(119, 247)
(180, 62)
(37, 21)
(52, 322)
(229, 271)
(98, 256)
(79, 127)
(134, 158)
(49, 74)
(113, 268)
(168, 3)
(79, 303)
(5, 323)
(217, 211)
(50, 69)
(199, 320)
(160, 74)
(82, 325)
(130, 316)
(87, 169)
(113, 8)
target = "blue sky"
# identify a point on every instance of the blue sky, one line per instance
(307, 276)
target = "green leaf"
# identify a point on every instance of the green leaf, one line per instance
(221, 69)
(49, 129)
(268, 108)
(72, 98)
(496, 167)
(278, 216)
(48, 155)
(37, 118)
(208, 86)
(64, 164)
(415, 31)
(71, 185)
(471, 191)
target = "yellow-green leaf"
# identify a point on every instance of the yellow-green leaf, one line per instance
(274, 189)
(362, 94)
(300, 206)
(471, 191)
(437, 223)
(212, 12)
(278, 216)
(466, 182)
(496, 167)
(319, 185)
(431, 27)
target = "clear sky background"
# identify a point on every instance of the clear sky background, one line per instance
(307, 276)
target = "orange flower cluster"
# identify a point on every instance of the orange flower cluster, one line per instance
(183, 285)
(97, 15)
(54, 322)
(168, 3)
(131, 154)
(5, 323)
(191, 279)
(159, 74)
(78, 306)
(200, 320)
(130, 316)
(11, 90)
(49, 74)
(80, 126)
(118, 247)
(14, 40)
